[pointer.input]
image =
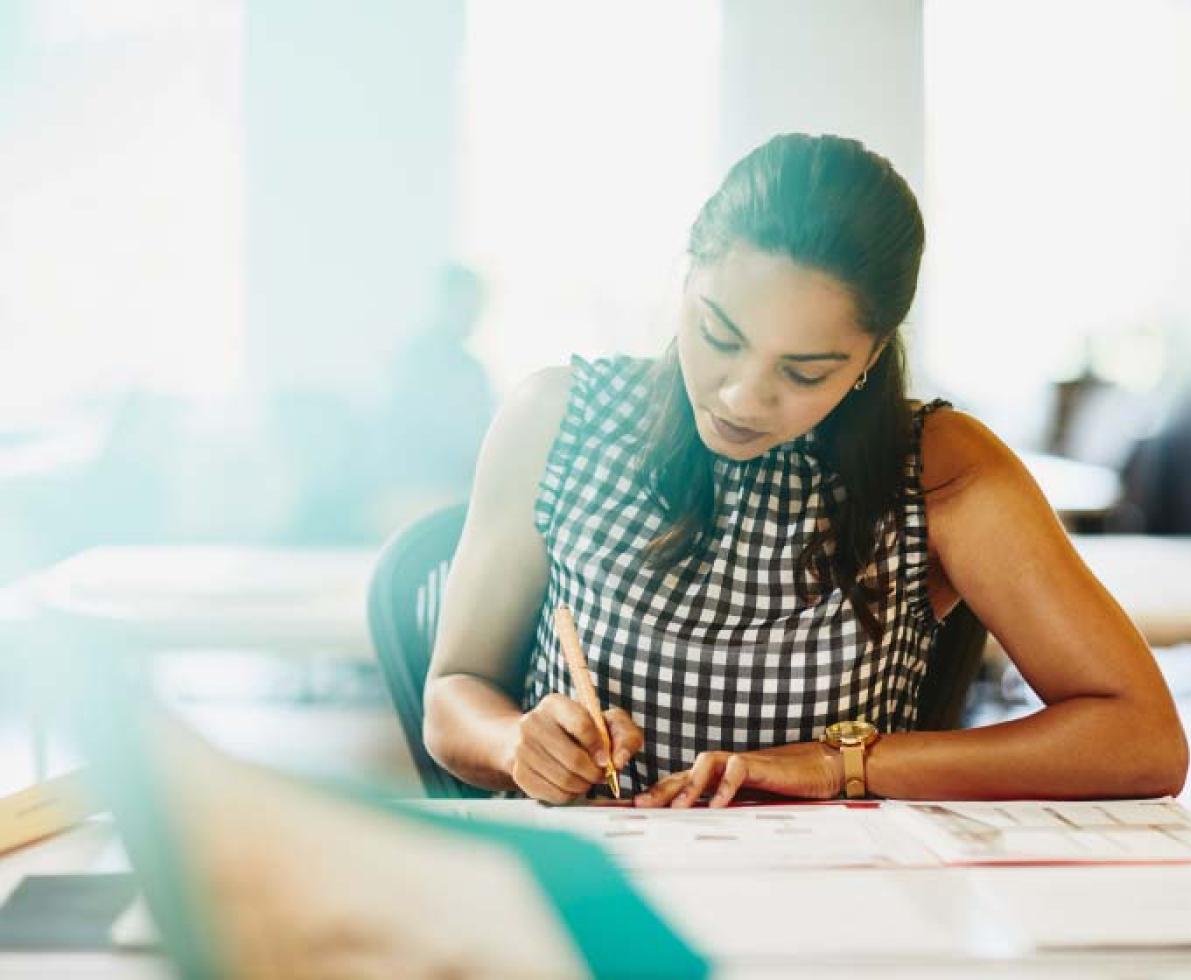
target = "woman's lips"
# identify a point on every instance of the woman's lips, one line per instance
(733, 433)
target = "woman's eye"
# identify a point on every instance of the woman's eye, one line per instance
(802, 379)
(714, 341)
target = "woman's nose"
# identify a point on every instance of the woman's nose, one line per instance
(748, 397)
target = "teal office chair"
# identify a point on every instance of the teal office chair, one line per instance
(405, 598)
(404, 601)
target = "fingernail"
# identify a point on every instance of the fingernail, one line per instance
(601, 758)
(622, 759)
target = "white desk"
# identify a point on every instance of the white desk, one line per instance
(1074, 489)
(1150, 577)
(290, 601)
(792, 921)
(214, 598)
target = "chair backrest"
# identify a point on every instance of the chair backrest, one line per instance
(404, 601)
(405, 598)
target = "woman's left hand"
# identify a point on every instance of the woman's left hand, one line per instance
(808, 770)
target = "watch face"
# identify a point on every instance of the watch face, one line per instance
(851, 732)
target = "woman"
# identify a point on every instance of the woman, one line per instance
(759, 537)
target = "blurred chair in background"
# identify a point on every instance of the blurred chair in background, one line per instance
(1099, 422)
(1103, 424)
(1158, 475)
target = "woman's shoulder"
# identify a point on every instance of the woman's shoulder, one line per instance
(958, 449)
(544, 391)
(525, 425)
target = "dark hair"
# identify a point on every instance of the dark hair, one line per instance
(830, 204)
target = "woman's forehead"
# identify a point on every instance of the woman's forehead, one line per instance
(771, 297)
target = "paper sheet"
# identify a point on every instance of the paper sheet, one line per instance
(1024, 832)
(762, 837)
(897, 834)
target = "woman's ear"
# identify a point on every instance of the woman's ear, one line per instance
(876, 354)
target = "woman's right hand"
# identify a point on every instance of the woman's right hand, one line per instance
(557, 754)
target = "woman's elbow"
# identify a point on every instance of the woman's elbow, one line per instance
(433, 730)
(1177, 766)
(1164, 759)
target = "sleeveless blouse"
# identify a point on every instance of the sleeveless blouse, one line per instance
(717, 651)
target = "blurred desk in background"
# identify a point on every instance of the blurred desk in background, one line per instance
(209, 599)
(1150, 576)
(306, 601)
(62, 446)
(1079, 492)
(160, 598)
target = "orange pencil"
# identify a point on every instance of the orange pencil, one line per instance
(568, 636)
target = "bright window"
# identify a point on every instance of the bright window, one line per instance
(589, 137)
(120, 157)
(1059, 209)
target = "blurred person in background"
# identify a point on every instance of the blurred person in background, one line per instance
(440, 405)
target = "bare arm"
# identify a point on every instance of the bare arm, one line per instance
(494, 591)
(1109, 727)
(474, 726)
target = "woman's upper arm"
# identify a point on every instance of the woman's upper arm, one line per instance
(498, 575)
(1004, 551)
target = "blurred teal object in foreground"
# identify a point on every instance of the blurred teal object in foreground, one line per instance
(129, 745)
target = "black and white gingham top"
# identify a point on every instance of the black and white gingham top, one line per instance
(717, 652)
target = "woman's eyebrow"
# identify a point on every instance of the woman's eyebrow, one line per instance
(801, 358)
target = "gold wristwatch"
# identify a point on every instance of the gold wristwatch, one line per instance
(852, 738)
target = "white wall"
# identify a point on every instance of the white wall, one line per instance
(350, 116)
(590, 133)
(849, 67)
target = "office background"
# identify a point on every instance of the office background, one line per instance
(224, 226)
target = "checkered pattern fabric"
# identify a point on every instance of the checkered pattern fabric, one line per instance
(717, 652)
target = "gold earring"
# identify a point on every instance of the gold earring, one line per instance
(863, 380)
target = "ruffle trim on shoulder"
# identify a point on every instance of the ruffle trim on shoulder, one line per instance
(562, 450)
(603, 395)
(916, 551)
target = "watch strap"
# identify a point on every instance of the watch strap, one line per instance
(854, 784)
